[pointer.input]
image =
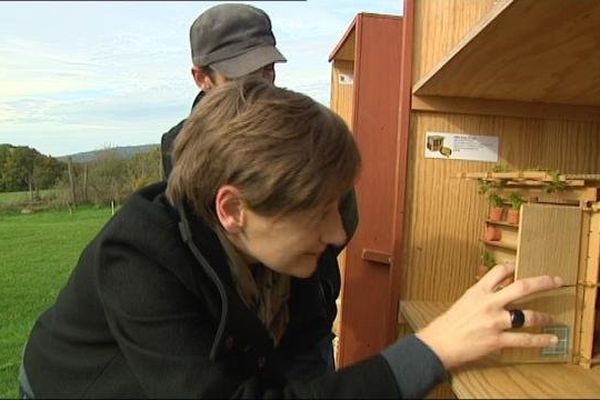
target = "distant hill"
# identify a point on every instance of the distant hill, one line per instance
(125, 152)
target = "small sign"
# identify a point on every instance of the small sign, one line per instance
(456, 146)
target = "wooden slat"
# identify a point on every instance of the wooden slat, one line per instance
(519, 176)
(501, 244)
(505, 108)
(589, 312)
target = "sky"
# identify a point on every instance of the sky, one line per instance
(82, 76)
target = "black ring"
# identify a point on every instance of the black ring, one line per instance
(517, 318)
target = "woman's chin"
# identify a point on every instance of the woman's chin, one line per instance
(307, 269)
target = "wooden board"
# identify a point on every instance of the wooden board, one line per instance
(590, 293)
(342, 95)
(439, 26)
(505, 108)
(549, 240)
(489, 380)
(526, 50)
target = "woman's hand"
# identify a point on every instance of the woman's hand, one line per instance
(476, 323)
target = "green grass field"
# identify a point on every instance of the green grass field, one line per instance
(37, 253)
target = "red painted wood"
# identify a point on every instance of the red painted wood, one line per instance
(367, 290)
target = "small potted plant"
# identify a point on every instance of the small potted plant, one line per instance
(496, 202)
(556, 184)
(516, 200)
(484, 186)
(492, 233)
(487, 262)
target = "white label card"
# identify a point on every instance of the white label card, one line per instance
(458, 146)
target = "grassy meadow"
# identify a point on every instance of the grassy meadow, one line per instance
(37, 253)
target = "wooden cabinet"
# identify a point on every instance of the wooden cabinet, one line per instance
(526, 73)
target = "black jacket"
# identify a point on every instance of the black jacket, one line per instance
(140, 317)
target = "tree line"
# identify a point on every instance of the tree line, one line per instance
(108, 178)
(23, 168)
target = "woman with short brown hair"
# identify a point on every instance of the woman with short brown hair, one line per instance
(209, 287)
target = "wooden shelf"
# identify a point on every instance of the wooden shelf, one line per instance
(488, 378)
(500, 244)
(526, 51)
(502, 223)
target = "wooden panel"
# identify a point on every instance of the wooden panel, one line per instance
(439, 26)
(342, 95)
(365, 320)
(549, 242)
(420, 313)
(486, 379)
(540, 51)
(345, 48)
(441, 391)
(445, 216)
(342, 98)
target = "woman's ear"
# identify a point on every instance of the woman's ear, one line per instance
(230, 208)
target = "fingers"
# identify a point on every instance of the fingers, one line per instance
(523, 339)
(492, 279)
(524, 287)
(532, 318)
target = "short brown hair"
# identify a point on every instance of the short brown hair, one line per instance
(282, 150)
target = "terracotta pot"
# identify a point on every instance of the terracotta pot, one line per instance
(496, 214)
(492, 233)
(512, 217)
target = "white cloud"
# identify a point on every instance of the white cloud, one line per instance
(75, 76)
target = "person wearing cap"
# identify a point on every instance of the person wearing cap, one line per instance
(162, 302)
(229, 42)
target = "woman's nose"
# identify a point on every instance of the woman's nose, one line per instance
(333, 231)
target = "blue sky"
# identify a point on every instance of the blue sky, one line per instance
(80, 76)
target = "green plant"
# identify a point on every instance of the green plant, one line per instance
(502, 167)
(484, 186)
(535, 168)
(488, 259)
(556, 184)
(516, 200)
(495, 200)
